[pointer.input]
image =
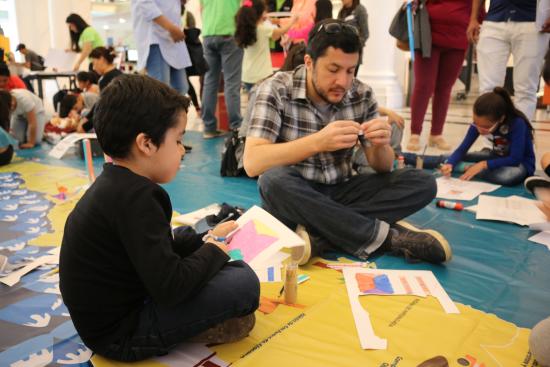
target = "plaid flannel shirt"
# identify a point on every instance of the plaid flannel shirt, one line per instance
(282, 112)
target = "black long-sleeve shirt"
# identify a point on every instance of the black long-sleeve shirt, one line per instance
(118, 251)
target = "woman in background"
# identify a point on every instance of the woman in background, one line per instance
(84, 38)
(354, 13)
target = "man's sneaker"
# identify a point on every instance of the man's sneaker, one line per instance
(213, 134)
(416, 244)
(533, 182)
(228, 331)
(314, 246)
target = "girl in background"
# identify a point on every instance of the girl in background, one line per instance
(87, 82)
(84, 38)
(511, 158)
(253, 34)
(103, 64)
(354, 13)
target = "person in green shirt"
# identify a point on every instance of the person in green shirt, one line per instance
(84, 38)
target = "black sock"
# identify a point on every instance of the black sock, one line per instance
(387, 244)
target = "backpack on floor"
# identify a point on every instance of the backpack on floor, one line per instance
(232, 156)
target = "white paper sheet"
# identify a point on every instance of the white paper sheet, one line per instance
(15, 277)
(60, 60)
(514, 209)
(61, 148)
(390, 283)
(542, 226)
(455, 189)
(542, 237)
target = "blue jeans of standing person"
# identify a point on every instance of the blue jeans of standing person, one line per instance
(354, 215)
(506, 176)
(222, 54)
(159, 69)
(233, 292)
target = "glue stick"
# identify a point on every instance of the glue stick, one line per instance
(449, 205)
(291, 283)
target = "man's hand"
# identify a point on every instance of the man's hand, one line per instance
(446, 169)
(377, 131)
(341, 134)
(473, 31)
(474, 170)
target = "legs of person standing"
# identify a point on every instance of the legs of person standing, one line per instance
(354, 216)
(232, 61)
(450, 64)
(156, 66)
(178, 80)
(211, 83)
(493, 51)
(425, 72)
(221, 53)
(528, 47)
(193, 96)
(225, 304)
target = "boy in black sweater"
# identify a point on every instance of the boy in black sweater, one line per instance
(133, 287)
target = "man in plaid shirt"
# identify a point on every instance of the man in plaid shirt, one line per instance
(303, 127)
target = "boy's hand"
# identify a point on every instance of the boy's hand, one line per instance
(446, 169)
(223, 229)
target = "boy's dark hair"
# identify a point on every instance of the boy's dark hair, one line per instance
(323, 10)
(80, 25)
(67, 104)
(493, 105)
(107, 53)
(5, 109)
(87, 76)
(4, 69)
(134, 104)
(339, 35)
(246, 21)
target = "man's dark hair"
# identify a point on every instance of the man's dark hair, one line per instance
(4, 69)
(134, 104)
(346, 39)
(20, 47)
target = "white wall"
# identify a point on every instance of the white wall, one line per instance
(41, 23)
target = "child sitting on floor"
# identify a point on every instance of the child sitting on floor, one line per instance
(7, 142)
(135, 288)
(511, 158)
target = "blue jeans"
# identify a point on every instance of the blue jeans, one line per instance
(507, 176)
(233, 292)
(222, 54)
(159, 69)
(353, 216)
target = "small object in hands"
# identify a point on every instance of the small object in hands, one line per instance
(362, 140)
(449, 205)
(291, 283)
(400, 162)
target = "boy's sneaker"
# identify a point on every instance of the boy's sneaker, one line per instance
(213, 134)
(314, 246)
(533, 182)
(416, 244)
(229, 331)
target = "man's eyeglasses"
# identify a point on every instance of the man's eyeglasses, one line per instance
(333, 28)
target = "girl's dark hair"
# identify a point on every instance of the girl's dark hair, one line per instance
(246, 20)
(134, 104)
(5, 112)
(323, 10)
(4, 69)
(80, 25)
(107, 53)
(344, 12)
(493, 105)
(67, 104)
(87, 76)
